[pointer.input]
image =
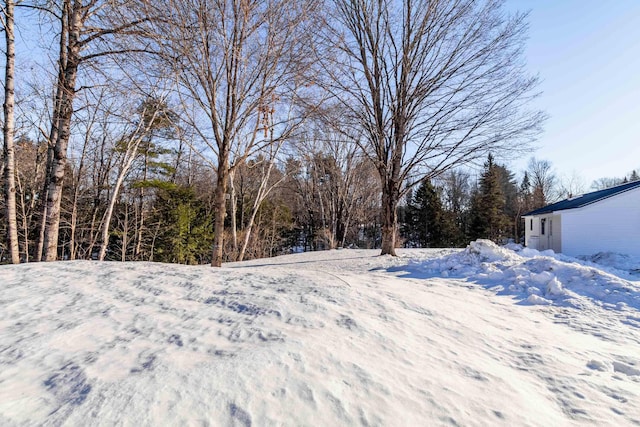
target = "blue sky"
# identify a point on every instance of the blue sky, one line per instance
(587, 54)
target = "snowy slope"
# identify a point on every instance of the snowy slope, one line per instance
(484, 336)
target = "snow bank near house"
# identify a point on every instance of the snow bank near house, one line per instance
(618, 262)
(535, 277)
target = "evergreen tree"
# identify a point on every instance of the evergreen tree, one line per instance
(427, 224)
(524, 203)
(184, 227)
(488, 219)
(510, 192)
(456, 188)
(525, 192)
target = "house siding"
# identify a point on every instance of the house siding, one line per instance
(610, 225)
(552, 239)
(556, 237)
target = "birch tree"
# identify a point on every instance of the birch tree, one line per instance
(432, 85)
(85, 26)
(129, 146)
(266, 165)
(8, 132)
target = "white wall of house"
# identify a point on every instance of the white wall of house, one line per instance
(556, 234)
(543, 237)
(610, 225)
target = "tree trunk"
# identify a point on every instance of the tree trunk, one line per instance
(390, 198)
(43, 226)
(53, 133)
(45, 188)
(138, 251)
(220, 203)
(247, 235)
(73, 228)
(263, 191)
(32, 211)
(233, 199)
(67, 78)
(73, 246)
(125, 233)
(9, 130)
(137, 255)
(24, 221)
(153, 242)
(127, 161)
(106, 223)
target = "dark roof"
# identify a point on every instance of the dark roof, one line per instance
(585, 199)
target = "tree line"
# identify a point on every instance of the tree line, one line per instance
(202, 131)
(459, 207)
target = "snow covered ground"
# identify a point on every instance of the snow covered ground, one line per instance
(483, 336)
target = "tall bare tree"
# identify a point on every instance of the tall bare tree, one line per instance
(432, 85)
(543, 182)
(84, 27)
(237, 62)
(8, 132)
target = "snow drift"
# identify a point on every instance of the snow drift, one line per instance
(328, 338)
(537, 277)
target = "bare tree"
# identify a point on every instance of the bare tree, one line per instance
(432, 85)
(8, 132)
(456, 186)
(331, 186)
(543, 182)
(571, 185)
(336, 165)
(238, 61)
(606, 182)
(84, 27)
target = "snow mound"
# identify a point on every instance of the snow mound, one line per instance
(535, 277)
(469, 261)
(487, 251)
(616, 261)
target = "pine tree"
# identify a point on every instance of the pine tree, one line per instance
(525, 192)
(427, 223)
(510, 192)
(423, 216)
(525, 203)
(488, 220)
(184, 226)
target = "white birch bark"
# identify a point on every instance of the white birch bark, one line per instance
(128, 157)
(8, 132)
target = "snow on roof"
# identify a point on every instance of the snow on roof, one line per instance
(585, 199)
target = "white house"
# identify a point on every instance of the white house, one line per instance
(603, 221)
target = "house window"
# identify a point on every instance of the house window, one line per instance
(542, 224)
(550, 227)
(531, 225)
